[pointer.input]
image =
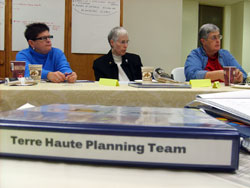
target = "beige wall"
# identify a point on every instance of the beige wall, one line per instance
(236, 30)
(189, 27)
(155, 31)
(246, 38)
(227, 27)
(163, 32)
(240, 33)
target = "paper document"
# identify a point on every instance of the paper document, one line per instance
(236, 103)
(239, 107)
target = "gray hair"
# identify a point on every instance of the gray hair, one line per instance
(206, 29)
(115, 33)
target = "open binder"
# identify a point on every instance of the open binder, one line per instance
(234, 104)
(231, 105)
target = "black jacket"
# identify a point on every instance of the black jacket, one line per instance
(105, 67)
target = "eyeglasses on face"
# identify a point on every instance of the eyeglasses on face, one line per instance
(123, 42)
(216, 37)
(44, 38)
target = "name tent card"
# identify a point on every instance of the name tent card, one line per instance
(200, 83)
(108, 82)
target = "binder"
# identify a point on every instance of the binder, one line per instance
(120, 135)
(233, 105)
(236, 122)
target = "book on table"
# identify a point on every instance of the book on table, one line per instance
(119, 135)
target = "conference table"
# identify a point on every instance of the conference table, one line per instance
(92, 93)
(39, 174)
(35, 173)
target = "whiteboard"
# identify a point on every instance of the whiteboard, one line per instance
(91, 22)
(2, 13)
(51, 12)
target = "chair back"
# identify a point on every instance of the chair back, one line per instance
(178, 74)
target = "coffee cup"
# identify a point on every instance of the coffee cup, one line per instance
(147, 74)
(35, 72)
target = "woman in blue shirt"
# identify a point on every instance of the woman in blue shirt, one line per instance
(208, 61)
(55, 66)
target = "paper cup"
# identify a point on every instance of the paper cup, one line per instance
(229, 73)
(17, 68)
(147, 74)
(35, 72)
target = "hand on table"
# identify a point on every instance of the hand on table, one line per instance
(71, 78)
(56, 77)
(238, 78)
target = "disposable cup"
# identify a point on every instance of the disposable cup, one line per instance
(17, 68)
(147, 74)
(35, 72)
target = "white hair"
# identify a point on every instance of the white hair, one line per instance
(115, 33)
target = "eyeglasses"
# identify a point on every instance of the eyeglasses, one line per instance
(123, 42)
(44, 38)
(215, 37)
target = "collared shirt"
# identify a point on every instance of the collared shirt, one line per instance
(197, 60)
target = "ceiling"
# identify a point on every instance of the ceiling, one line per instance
(219, 2)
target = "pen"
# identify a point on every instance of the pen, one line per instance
(67, 74)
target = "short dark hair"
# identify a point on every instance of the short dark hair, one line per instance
(34, 29)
